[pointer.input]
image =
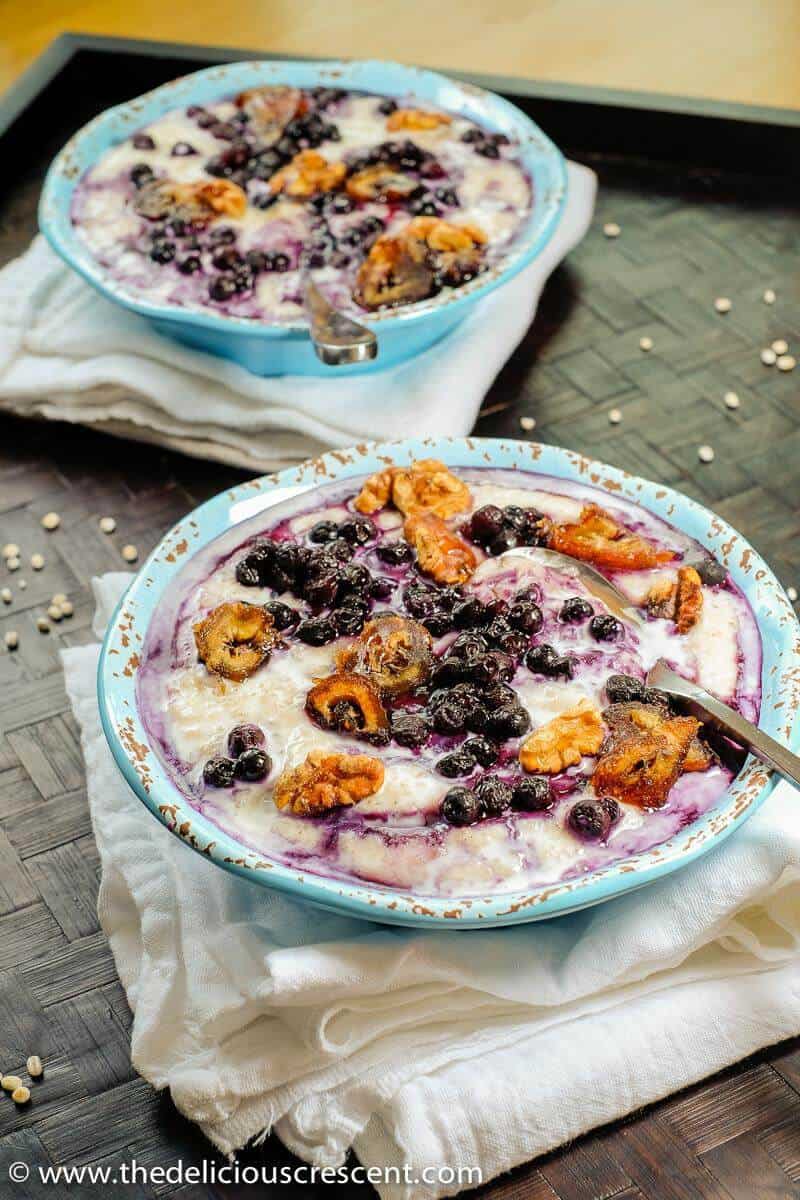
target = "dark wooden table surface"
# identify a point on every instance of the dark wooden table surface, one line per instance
(682, 244)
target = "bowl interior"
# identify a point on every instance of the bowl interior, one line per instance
(541, 159)
(142, 768)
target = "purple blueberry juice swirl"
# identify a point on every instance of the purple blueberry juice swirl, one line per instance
(224, 206)
(516, 647)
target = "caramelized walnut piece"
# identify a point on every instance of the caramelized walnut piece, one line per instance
(416, 118)
(597, 538)
(393, 652)
(270, 109)
(563, 741)
(308, 174)
(348, 703)
(375, 493)
(427, 485)
(679, 600)
(327, 781)
(198, 202)
(380, 182)
(235, 639)
(391, 275)
(440, 552)
(644, 755)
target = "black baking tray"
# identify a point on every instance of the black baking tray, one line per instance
(708, 200)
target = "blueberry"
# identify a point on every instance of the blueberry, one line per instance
(589, 819)
(243, 279)
(447, 197)
(493, 796)
(189, 265)
(222, 288)
(496, 630)
(223, 235)
(323, 531)
(438, 622)
(605, 629)
(459, 762)
(622, 689)
(486, 524)
(477, 718)
(341, 550)
(163, 251)
(358, 531)
(507, 539)
(395, 554)
(277, 261)
(514, 643)
(543, 660)
(473, 134)
(227, 259)
(494, 667)
(410, 729)
(253, 569)
(218, 772)
(244, 737)
(356, 578)
(575, 609)
(253, 764)
(508, 721)
(141, 174)
(482, 750)
(419, 598)
(460, 807)
(200, 114)
(536, 528)
(711, 572)
(450, 716)
(143, 141)
(387, 107)
(283, 615)
(182, 150)
(532, 795)
(487, 150)
(526, 616)
(382, 587)
(316, 631)
(256, 261)
(321, 587)
(469, 612)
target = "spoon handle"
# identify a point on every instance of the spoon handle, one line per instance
(337, 338)
(711, 710)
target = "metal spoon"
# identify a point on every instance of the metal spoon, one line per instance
(337, 338)
(696, 699)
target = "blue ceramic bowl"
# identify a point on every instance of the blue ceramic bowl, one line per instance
(143, 770)
(287, 349)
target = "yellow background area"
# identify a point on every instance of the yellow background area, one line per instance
(745, 50)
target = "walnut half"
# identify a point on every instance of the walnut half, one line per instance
(427, 485)
(563, 741)
(440, 552)
(327, 781)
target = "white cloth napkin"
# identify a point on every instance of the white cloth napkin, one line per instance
(473, 1049)
(68, 354)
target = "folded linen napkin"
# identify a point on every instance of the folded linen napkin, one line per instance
(479, 1049)
(68, 354)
